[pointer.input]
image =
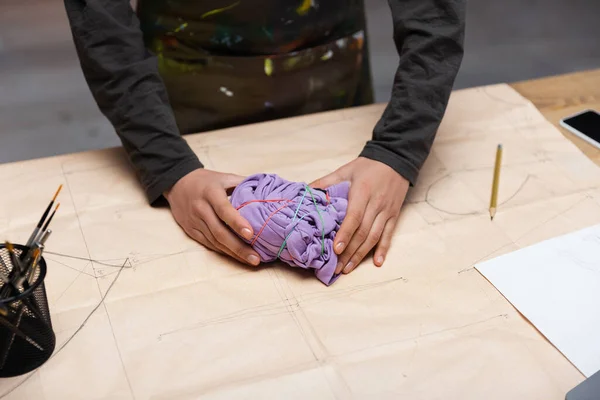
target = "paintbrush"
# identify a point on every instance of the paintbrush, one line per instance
(36, 231)
(5, 278)
(33, 256)
(36, 258)
(16, 331)
(13, 258)
(44, 238)
(45, 229)
(6, 283)
(37, 244)
(13, 273)
(17, 271)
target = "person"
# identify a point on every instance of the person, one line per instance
(175, 67)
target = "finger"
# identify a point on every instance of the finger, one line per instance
(232, 180)
(385, 242)
(214, 244)
(228, 214)
(360, 235)
(358, 199)
(227, 240)
(202, 229)
(327, 181)
(203, 212)
(200, 238)
(366, 246)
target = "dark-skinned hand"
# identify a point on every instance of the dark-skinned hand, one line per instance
(200, 206)
(376, 195)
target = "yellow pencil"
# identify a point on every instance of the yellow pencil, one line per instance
(496, 182)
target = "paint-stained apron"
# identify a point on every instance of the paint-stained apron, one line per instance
(228, 62)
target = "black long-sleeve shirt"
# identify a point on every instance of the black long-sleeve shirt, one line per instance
(124, 79)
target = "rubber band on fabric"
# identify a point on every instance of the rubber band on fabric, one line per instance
(275, 208)
(293, 220)
(261, 201)
(322, 221)
(329, 200)
(288, 235)
(266, 222)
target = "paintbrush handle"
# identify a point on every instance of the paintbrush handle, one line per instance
(36, 231)
(34, 234)
(18, 332)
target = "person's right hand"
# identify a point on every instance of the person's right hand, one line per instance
(200, 206)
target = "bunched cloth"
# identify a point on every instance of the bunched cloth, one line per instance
(293, 222)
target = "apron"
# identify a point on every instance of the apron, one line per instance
(232, 62)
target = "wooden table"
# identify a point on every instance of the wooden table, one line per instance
(142, 311)
(559, 96)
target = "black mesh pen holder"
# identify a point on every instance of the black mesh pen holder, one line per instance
(26, 336)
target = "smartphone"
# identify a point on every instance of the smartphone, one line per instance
(585, 124)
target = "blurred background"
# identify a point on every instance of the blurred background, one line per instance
(47, 109)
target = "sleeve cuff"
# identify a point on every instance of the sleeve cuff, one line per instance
(155, 190)
(399, 164)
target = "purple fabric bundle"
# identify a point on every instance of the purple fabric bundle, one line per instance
(293, 222)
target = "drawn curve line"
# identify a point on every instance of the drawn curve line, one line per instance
(18, 385)
(429, 202)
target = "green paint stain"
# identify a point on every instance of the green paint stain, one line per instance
(181, 27)
(268, 33)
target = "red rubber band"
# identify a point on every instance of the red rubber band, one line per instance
(261, 201)
(267, 221)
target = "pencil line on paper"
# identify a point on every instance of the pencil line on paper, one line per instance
(115, 336)
(73, 281)
(499, 99)
(82, 270)
(281, 307)
(429, 201)
(93, 310)
(424, 335)
(486, 256)
(560, 213)
(323, 352)
(74, 333)
(517, 191)
(290, 307)
(100, 262)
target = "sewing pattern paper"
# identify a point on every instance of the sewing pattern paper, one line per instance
(142, 311)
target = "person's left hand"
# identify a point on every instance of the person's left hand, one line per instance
(374, 201)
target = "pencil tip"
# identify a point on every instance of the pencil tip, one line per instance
(58, 205)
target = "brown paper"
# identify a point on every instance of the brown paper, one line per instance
(141, 311)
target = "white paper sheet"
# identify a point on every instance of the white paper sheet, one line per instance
(556, 285)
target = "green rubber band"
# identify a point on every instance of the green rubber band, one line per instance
(289, 234)
(293, 220)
